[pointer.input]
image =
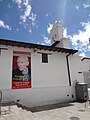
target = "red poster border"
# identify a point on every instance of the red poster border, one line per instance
(21, 84)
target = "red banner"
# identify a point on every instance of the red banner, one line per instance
(21, 84)
(21, 74)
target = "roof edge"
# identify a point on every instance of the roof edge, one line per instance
(36, 46)
(85, 58)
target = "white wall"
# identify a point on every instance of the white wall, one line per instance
(53, 73)
(50, 82)
(76, 71)
(86, 65)
(86, 71)
(5, 69)
(86, 76)
(40, 96)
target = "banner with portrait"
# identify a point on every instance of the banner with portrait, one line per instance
(21, 70)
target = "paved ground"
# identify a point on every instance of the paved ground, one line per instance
(71, 111)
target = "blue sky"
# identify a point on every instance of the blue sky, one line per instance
(32, 20)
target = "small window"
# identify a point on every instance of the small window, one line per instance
(55, 35)
(52, 38)
(44, 58)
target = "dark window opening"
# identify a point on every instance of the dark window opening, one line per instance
(44, 58)
(55, 35)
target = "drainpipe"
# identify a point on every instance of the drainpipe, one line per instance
(0, 96)
(68, 69)
(0, 101)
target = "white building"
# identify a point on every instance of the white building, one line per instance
(54, 71)
(86, 70)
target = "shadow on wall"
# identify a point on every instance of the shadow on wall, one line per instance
(50, 107)
(74, 118)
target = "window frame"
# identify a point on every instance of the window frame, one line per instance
(44, 58)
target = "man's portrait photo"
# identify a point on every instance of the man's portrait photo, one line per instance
(21, 68)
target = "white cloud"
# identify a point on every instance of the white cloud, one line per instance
(77, 7)
(30, 31)
(26, 13)
(89, 47)
(42, 43)
(5, 26)
(25, 2)
(49, 28)
(33, 23)
(26, 9)
(46, 40)
(65, 33)
(82, 55)
(86, 4)
(47, 15)
(80, 40)
(17, 29)
(33, 17)
(82, 35)
(18, 2)
(26, 16)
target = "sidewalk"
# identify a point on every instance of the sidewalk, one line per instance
(71, 111)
